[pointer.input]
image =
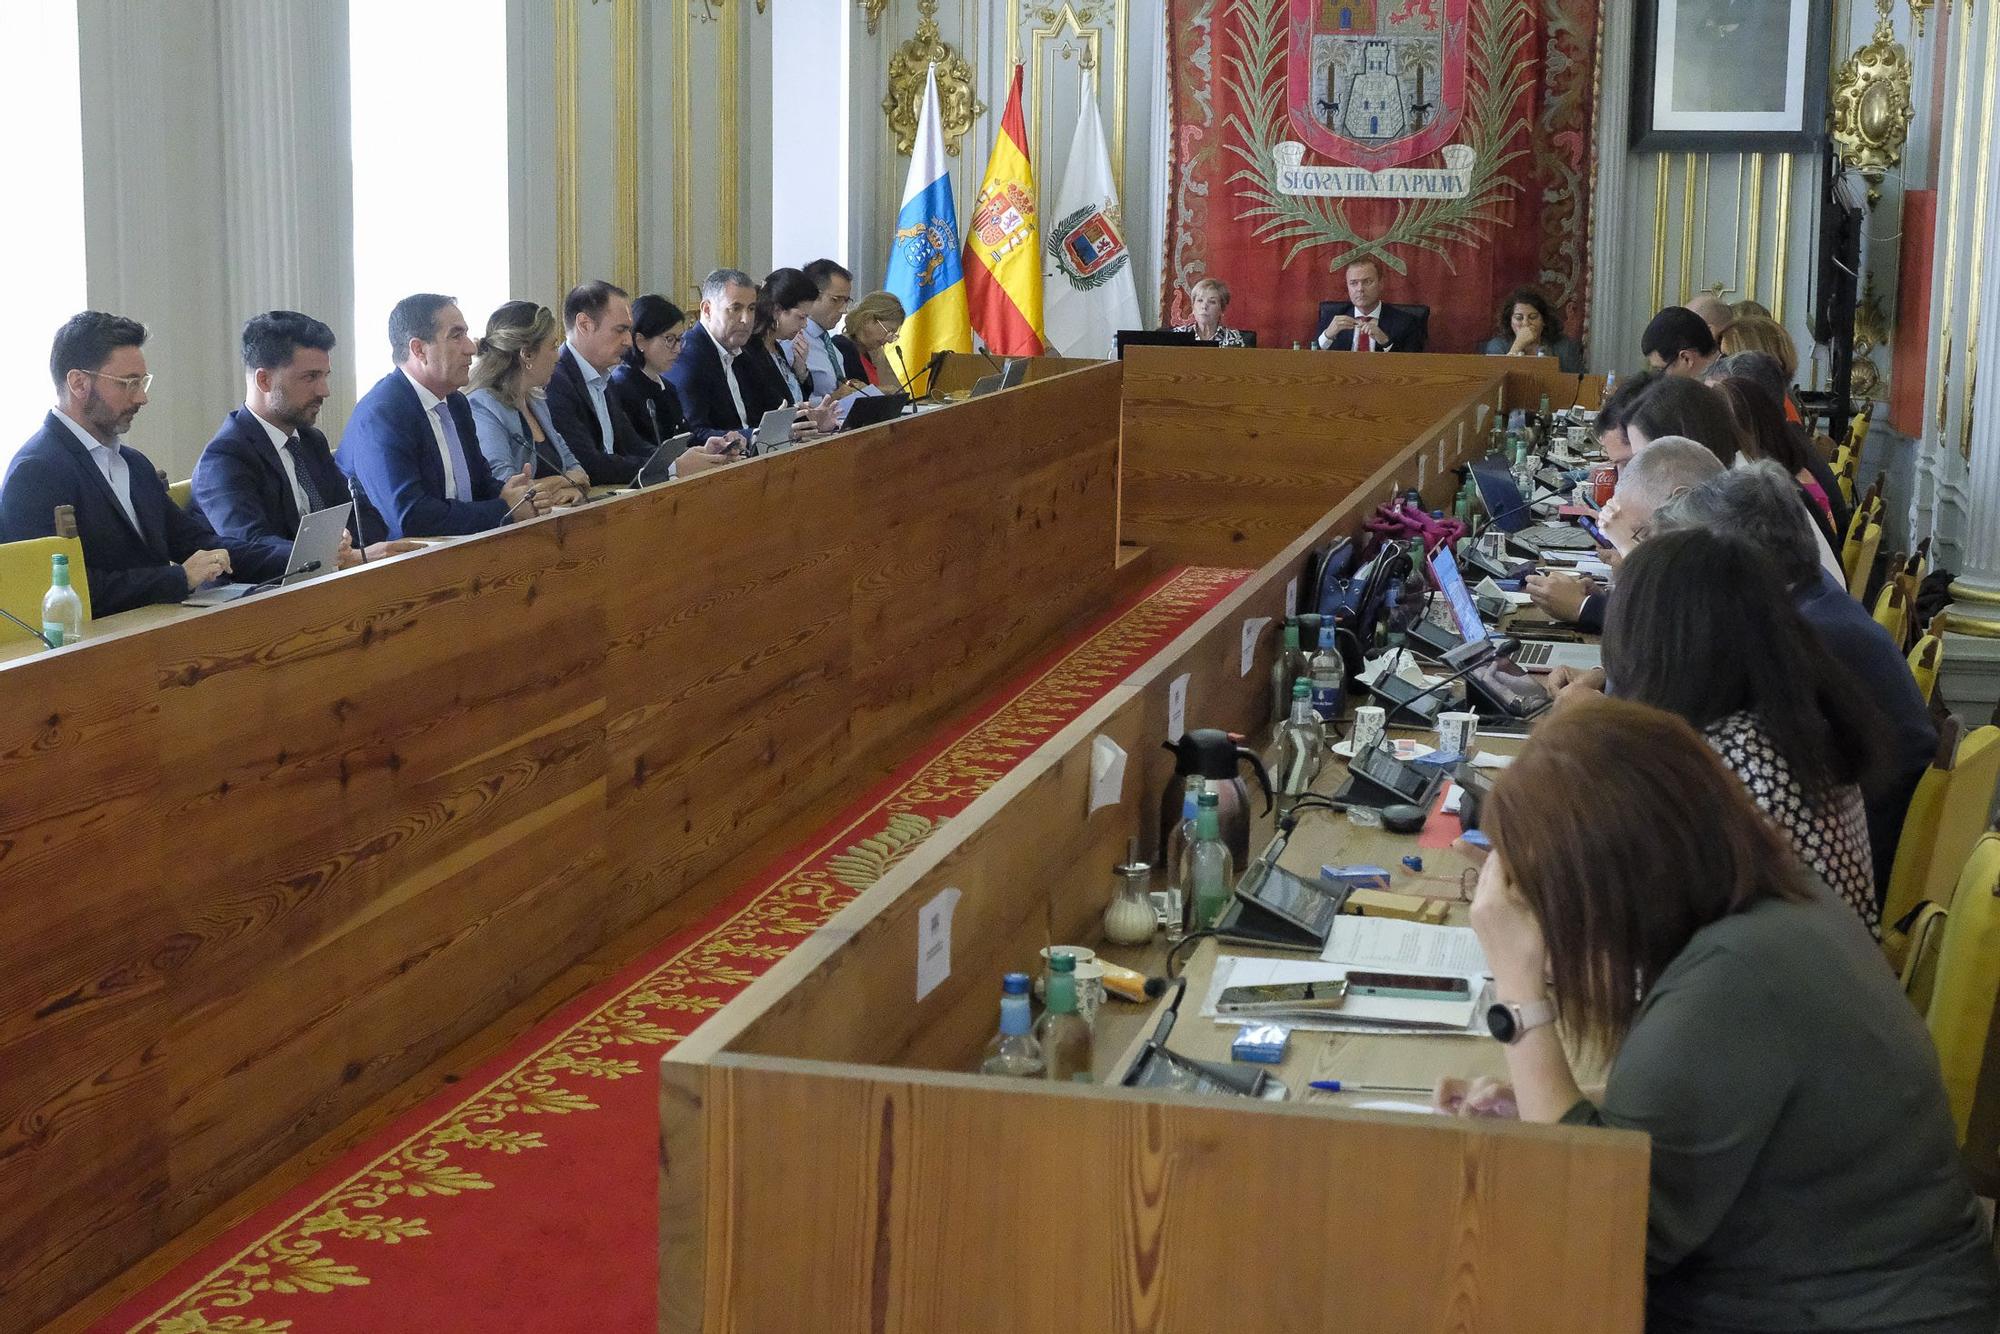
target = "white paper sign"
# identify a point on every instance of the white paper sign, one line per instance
(1107, 772)
(1177, 707)
(1292, 595)
(934, 941)
(1253, 630)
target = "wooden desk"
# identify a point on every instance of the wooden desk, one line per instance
(822, 1125)
(260, 863)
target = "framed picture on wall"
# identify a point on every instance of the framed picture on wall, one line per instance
(1730, 76)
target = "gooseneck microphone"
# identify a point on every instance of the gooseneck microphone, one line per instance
(46, 641)
(360, 523)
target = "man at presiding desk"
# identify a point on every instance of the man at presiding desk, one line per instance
(411, 446)
(138, 546)
(1366, 323)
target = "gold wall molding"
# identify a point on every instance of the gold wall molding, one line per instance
(1871, 330)
(728, 183)
(1949, 170)
(1081, 30)
(957, 106)
(873, 10)
(1872, 110)
(683, 278)
(1782, 252)
(1661, 176)
(568, 242)
(625, 104)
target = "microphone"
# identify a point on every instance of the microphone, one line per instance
(360, 524)
(46, 641)
(930, 369)
(310, 567)
(1497, 646)
(999, 366)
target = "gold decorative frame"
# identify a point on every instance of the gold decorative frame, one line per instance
(873, 9)
(1872, 110)
(957, 106)
(1080, 23)
(568, 239)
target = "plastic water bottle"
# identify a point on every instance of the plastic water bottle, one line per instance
(62, 609)
(1064, 1034)
(1289, 667)
(1329, 671)
(1212, 869)
(1014, 1051)
(1175, 858)
(1301, 749)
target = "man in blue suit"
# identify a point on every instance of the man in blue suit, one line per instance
(705, 372)
(138, 546)
(411, 446)
(267, 467)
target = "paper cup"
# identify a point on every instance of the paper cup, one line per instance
(1457, 732)
(1370, 720)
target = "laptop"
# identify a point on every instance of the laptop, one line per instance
(657, 470)
(1537, 655)
(315, 551)
(873, 410)
(1512, 512)
(774, 429)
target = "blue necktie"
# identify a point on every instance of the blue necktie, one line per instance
(461, 480)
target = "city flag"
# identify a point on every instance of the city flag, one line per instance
(1003, 248)
(924, 269)
(1089, 290)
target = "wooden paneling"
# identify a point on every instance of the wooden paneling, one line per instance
(817, 1127)
(847, 1198)
(260, 864)
(1229, 455)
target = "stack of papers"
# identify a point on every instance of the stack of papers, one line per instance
(1373, 944)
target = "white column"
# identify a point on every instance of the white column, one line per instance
(288, 185)
(1616, 248)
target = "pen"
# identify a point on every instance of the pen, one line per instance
(1346, 1086)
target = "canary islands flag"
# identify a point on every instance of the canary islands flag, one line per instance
(1003, 247)
(924, 269)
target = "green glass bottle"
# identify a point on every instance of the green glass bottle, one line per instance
(1212, 869)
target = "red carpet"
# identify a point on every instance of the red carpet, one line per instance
(524, 1197)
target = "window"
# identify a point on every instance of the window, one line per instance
(429, 125)
(41, 98)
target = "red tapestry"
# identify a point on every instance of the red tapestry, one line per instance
(1454, 140)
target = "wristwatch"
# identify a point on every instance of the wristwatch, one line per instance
(1508, 1022)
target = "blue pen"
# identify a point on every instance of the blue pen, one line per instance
(1345, 1086)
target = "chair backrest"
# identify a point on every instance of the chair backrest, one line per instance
(1927, 657)
(24, 576)
(182, 493)
(1892, 608)
(1968, 977)
(1250, 336)
(1860, 565)
(1846, 468)
(1964, 810)
(1910, 872)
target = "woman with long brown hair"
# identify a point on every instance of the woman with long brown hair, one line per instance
(1805, 1173)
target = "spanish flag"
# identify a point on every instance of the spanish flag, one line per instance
(1003, 250)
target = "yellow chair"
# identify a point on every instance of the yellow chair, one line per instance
(1967, 983)
(1928, 657)
(1846, 464)
(1910, 872)
(1964, 810)
(1858, 560)
(182, 493)
(1892, 608)
(24, 575)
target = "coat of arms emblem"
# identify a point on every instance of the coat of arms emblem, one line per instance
(1376, 83)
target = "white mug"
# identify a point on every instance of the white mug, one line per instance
(1457, 732)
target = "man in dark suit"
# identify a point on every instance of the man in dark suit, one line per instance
(267, 467)
(138, 546)
(598, 319)
(411, 446)
(704, 374)
(1365, 323)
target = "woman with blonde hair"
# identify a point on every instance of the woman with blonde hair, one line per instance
(872, 324)
(1755, 333)
(515, 360)
(1209, 298)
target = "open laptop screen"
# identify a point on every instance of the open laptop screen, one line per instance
(1444, 566)
(1505, 504)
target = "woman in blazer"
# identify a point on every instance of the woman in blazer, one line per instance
(516, 358)
(639, 386)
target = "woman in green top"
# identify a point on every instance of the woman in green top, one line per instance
(1805, 1174)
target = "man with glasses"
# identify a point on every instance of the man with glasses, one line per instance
(138, 546)
(824, 362)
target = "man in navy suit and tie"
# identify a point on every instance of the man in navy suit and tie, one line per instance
(267, 467)
(1365, 322)
(705, 372)
(411, 446)
(138, 546)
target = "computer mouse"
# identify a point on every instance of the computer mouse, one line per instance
(1404, 819)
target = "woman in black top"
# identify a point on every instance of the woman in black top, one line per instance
(639, 386)
(772, 368)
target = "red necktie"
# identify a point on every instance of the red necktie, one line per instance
(1362, 342)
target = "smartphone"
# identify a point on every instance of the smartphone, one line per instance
(1405, 986)
(1589, 525)
(1282, 998)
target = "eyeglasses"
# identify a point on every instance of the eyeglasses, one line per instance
(130, 383)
